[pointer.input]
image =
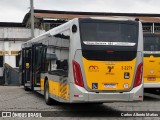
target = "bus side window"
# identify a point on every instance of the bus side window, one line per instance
(62, 64)
(46, 65)
(65, 65)
(58, 64)
(20, 58)
(60, 46)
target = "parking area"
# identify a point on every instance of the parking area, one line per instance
(14, 98)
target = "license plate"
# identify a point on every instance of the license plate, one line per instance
(151, 78)
(109, 85)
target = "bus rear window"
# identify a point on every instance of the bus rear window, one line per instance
(109, 32)
(151, 43)
(100, 36)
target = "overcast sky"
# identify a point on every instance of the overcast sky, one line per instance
(15, 10)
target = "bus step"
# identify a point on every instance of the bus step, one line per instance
(37, 83)
(27, 84)
(37, 88)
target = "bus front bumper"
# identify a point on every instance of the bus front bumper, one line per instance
(81, 95)
(152, 85)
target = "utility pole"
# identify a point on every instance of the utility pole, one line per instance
(32, 18)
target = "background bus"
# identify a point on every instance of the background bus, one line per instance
(151, 60)
(86, 60)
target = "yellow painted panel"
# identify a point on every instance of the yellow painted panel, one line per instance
(63, 91)
(151, 69)
(109, 75)
(42, 83)
(54, 87)
(58, 89)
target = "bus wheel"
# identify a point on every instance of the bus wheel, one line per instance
(46, 94)
(26, 88)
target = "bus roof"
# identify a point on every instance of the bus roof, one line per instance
(66, 26)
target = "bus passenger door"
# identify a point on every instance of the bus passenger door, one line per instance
(23, 66)
(38, 52)
(26, 67)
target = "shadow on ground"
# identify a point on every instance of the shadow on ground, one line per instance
(79, 109)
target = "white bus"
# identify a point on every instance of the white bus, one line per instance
(86, 60)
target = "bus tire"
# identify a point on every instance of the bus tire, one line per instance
(47, 94)
(26, 88)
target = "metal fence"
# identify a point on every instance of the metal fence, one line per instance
(11, 75)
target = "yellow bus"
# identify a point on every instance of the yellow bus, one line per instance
(86, 60)
(151, 60)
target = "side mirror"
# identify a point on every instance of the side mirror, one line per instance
(62, 64)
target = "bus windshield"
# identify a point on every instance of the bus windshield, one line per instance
(151, 43)
(109, 33)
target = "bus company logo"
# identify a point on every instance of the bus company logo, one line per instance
(110, 68)
(93, 68)
(151, 71)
